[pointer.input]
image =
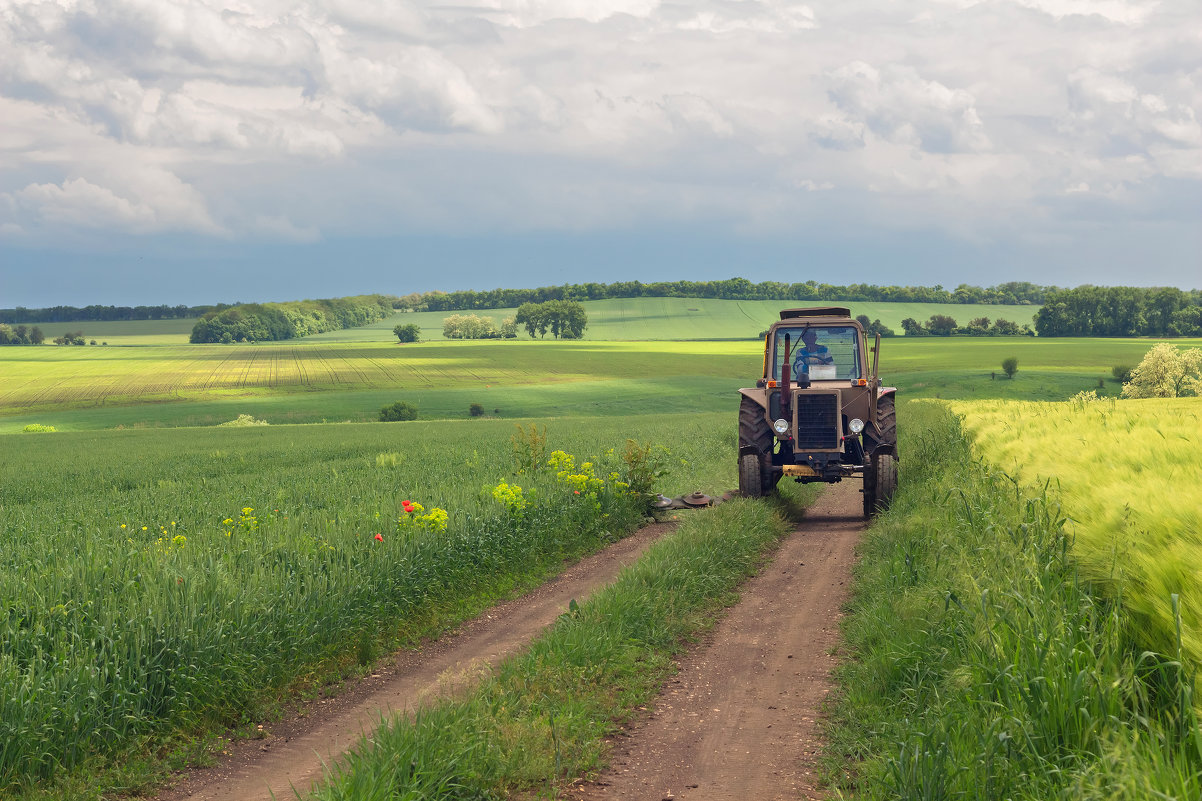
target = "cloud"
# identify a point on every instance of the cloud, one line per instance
(152, 202)
(279, 121)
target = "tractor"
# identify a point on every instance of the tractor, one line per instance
(819, 412)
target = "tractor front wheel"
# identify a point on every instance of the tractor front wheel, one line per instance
(750, 485)
(880, 482)
(754, 432)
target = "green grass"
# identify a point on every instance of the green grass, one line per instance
(982, 665)
(540, 719)
(144, 571)
(689, 318)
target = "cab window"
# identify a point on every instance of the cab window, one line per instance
(824, 352)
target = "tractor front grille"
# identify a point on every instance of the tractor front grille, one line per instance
(818, 421)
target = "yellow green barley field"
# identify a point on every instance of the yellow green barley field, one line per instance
(1128, 474)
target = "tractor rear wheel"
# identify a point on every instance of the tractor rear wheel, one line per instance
(754, 432)
(750, 485)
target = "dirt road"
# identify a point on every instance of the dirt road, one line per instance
(291, 753)
(740, 719)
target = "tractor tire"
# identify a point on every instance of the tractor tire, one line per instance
(869, 487)
(886, 414)
(880, 482)
(754, 431)
(750, 485)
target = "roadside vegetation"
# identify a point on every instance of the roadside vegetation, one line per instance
(181, 581)
(1125, 473)
(989, 655)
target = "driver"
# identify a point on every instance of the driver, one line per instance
(810, 353)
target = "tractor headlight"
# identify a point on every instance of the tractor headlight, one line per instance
(856, 425)
(781, 426)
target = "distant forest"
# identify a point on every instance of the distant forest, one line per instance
(1120, 311)
(1083, 311)
(1013, 293)
(74, 314)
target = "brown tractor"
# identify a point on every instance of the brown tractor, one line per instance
(819, 413)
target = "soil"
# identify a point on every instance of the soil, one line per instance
(740, 720)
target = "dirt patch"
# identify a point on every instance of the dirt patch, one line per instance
(741, 719)
(291, 752)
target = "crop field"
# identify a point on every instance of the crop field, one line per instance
(160, 578)
(1127, 473)
(125, 332)
(171, 385)
(691, 318)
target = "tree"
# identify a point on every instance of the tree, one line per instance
(1010, 366)
(408, 332)
(398, 411)
(977, 327)
(1166, 372)
(533, 317)
(941, 325)
(912, 327)
(1004, 328)
(476, 409)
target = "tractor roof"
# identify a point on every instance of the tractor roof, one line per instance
(818, 311)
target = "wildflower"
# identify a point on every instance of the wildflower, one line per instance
(122, 525)
(379, 538)
(407, 506)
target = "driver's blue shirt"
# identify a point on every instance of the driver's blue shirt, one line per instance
(805, 357)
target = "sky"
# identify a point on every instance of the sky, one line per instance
(201, 151)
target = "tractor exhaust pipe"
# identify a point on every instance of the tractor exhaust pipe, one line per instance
(786, 391)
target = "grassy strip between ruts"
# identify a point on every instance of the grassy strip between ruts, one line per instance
(983, 666)
(540, 718)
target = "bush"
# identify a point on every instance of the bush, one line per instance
(38, 428)
(241, 421)
(476, 410)
(1121, 373)
(1010, 366)
(397, 412)
(409, 332)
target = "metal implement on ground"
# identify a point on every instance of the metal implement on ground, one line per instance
(819, 412)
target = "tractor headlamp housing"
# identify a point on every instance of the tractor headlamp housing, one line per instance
(855, 425)
(781, 426)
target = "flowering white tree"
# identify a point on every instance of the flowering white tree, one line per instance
(1166, 372)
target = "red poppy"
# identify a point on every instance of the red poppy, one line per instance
(380, 537)
(407, 506)
(576, 491)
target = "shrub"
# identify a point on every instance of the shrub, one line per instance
(38, 428)
(397, 412)
(241, 421)
(1121, 373)
(1010, 366)
(409, 332)
(476, 410)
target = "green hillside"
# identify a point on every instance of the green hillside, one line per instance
(689, 318)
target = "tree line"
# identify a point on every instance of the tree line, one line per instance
(21, 335)
(266, 322)
(74, 314)
(1120, 311)
(943, 325)
(1012, 293)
